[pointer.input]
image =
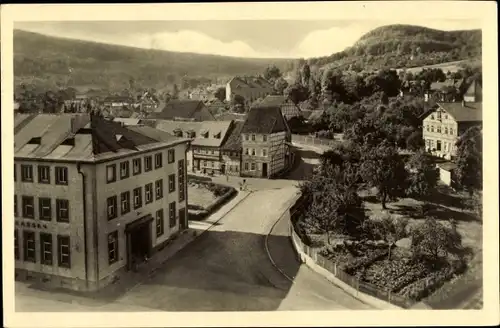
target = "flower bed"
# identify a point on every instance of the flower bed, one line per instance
(206, 198)
(394, 274)
(426, 286)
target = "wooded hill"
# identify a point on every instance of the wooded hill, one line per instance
(46, 62)
(396, 46)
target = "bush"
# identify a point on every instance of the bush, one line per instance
(324, 134)
(361, 262)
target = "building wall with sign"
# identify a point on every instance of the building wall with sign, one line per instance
(73, 228)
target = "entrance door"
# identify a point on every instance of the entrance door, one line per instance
(183, 219)
(139, 242)
(264, 169)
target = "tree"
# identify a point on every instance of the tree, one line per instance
(220, 93)
(175, 92)
(297, 93)
(475, 204)
(280, 85)
(435, 241)
(383, 168)
(306, 74)
(333, 203)
(415, 141)
(387, 228)
(272, 73)
(423, 175)
(238, 100)
(470, 160)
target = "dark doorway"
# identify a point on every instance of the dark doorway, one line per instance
(264, 169)
(223, 168)
(139, 243)
(438, 146)
(183, 219)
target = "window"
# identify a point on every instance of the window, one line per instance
(158, 160)
(247, 137)
(148, 164)
(445, 130)
(29, 246)
(253, 137)
(28, 203)
(264, 152)
(111, 201)
(111, 173)
(432, 128)
(445, 144)
(137, 198)
(171, 156)
(427, 127)
(253, 152)
(45, 209)
(46, 248)
(445, 116)
(438, 146)
(213, 152)
(247, 151)
(64, 250)
(43, 174)
(62, 210)
(246, 166)
(438, 129)
(171, 214)
(26, 173)
(112, 247)
(15, 205)
(148, 190)
(125, 202)
(451, 131)
(136, 163)
(432, 116)
(439, 115)
(16, 245)
(264, 138)
(160, 228)
(253, 166)
(159, 189)
(124, 170)
(181, 178)
(61, 175)
(171, 183)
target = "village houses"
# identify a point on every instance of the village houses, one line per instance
(249, 87)
(183, 110)
(288, 108)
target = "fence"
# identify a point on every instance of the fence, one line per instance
(310, 140)
(333, 268)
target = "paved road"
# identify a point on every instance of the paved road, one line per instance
(225, 269)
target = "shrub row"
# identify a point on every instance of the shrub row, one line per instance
(364, 261)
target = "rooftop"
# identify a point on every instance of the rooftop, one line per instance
(464, 112)
(81, 137)
(233, 142)
(265, 119)
(437, 86)
(178, 108)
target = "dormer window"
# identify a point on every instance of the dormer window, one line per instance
(217, 135)
(35, 141)
(69, 142)
(178, 133)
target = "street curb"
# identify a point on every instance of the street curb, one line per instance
(266, 240)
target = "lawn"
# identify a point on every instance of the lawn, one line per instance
(199, 195)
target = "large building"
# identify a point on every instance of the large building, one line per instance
(443, 125)
(266, 143)
(249, 87)
(93, 198)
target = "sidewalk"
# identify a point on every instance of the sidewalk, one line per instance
(130, 279)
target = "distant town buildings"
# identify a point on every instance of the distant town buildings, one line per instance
(288, 108)
(183, 110)
(249, 87)
(93, 197)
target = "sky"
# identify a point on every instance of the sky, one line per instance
(243, 38)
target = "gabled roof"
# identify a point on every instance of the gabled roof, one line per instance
(82, 137)
(179, 108)
(464, 112)
(212, 127)
(439, 86)
(273, 100)
(233, 142)
(265, 120)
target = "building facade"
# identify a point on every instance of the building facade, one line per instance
(93, 198)
(249, 87)
(443, 126)
(266, 143)
(231, 150)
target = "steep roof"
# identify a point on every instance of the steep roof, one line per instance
(464, 112)
(233, 141)
(179, 109)
(212, 127)
(266, 120)
(82, 137)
